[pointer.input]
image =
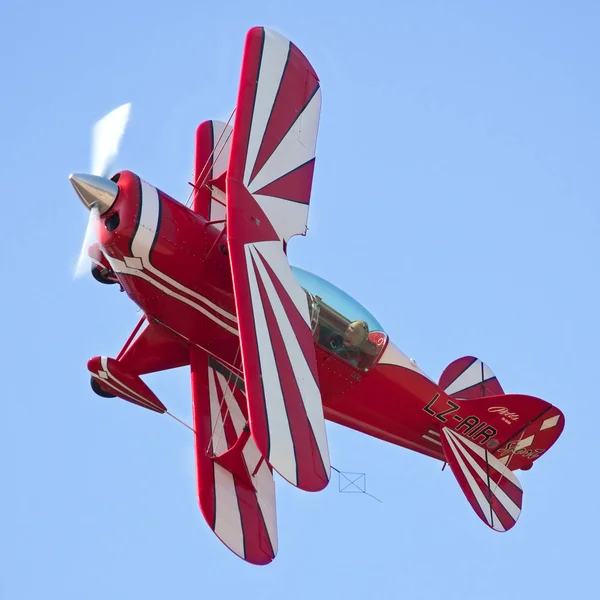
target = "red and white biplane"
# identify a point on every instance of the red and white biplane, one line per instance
(274, 350)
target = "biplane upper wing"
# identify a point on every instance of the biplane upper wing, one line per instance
(269, 181)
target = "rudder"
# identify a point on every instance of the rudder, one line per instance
(519, 428)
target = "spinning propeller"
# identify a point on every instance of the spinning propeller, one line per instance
(96, 191)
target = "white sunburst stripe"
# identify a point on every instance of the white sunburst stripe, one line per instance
(293, 150)
(507, 473)
(228, 518)
(281, 444)
(283, 214)
(219, 441)
(470, 377)
(513, 510)
(273, 254)
(221, 147)
(273, 60)
(228, 396)
(308, 387)
(486, 509)
(119, 266)
(263, 480)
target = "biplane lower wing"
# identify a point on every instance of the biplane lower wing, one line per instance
(269, 180)
(236, 490)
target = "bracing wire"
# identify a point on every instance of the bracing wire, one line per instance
(202, 177)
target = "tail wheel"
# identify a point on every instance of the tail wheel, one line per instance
(99, 390)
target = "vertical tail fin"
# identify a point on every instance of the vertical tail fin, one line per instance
(469, 377)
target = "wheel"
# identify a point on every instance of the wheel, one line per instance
(99, 276)
(100, 391)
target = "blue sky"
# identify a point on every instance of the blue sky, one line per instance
(455, 195)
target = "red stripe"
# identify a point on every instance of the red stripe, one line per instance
(461, 443)
(250, 222)
(250, 355)
(514, 492)
(494, 476)
(310, 470)
(244, 111)
(202, 168)
(296, 88)
(229, 431)
(502, 514)
(295, 185)
(240, 398)
(259, 548)
(301, 329)
(461, 477)
(203, 428)
(454, 370)
(257, 545)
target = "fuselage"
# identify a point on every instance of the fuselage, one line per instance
(174, 265)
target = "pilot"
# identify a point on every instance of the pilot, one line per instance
(348, 345)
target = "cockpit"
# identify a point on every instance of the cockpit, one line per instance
(340, 325)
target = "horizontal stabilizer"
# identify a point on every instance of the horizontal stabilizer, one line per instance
(490, 486)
